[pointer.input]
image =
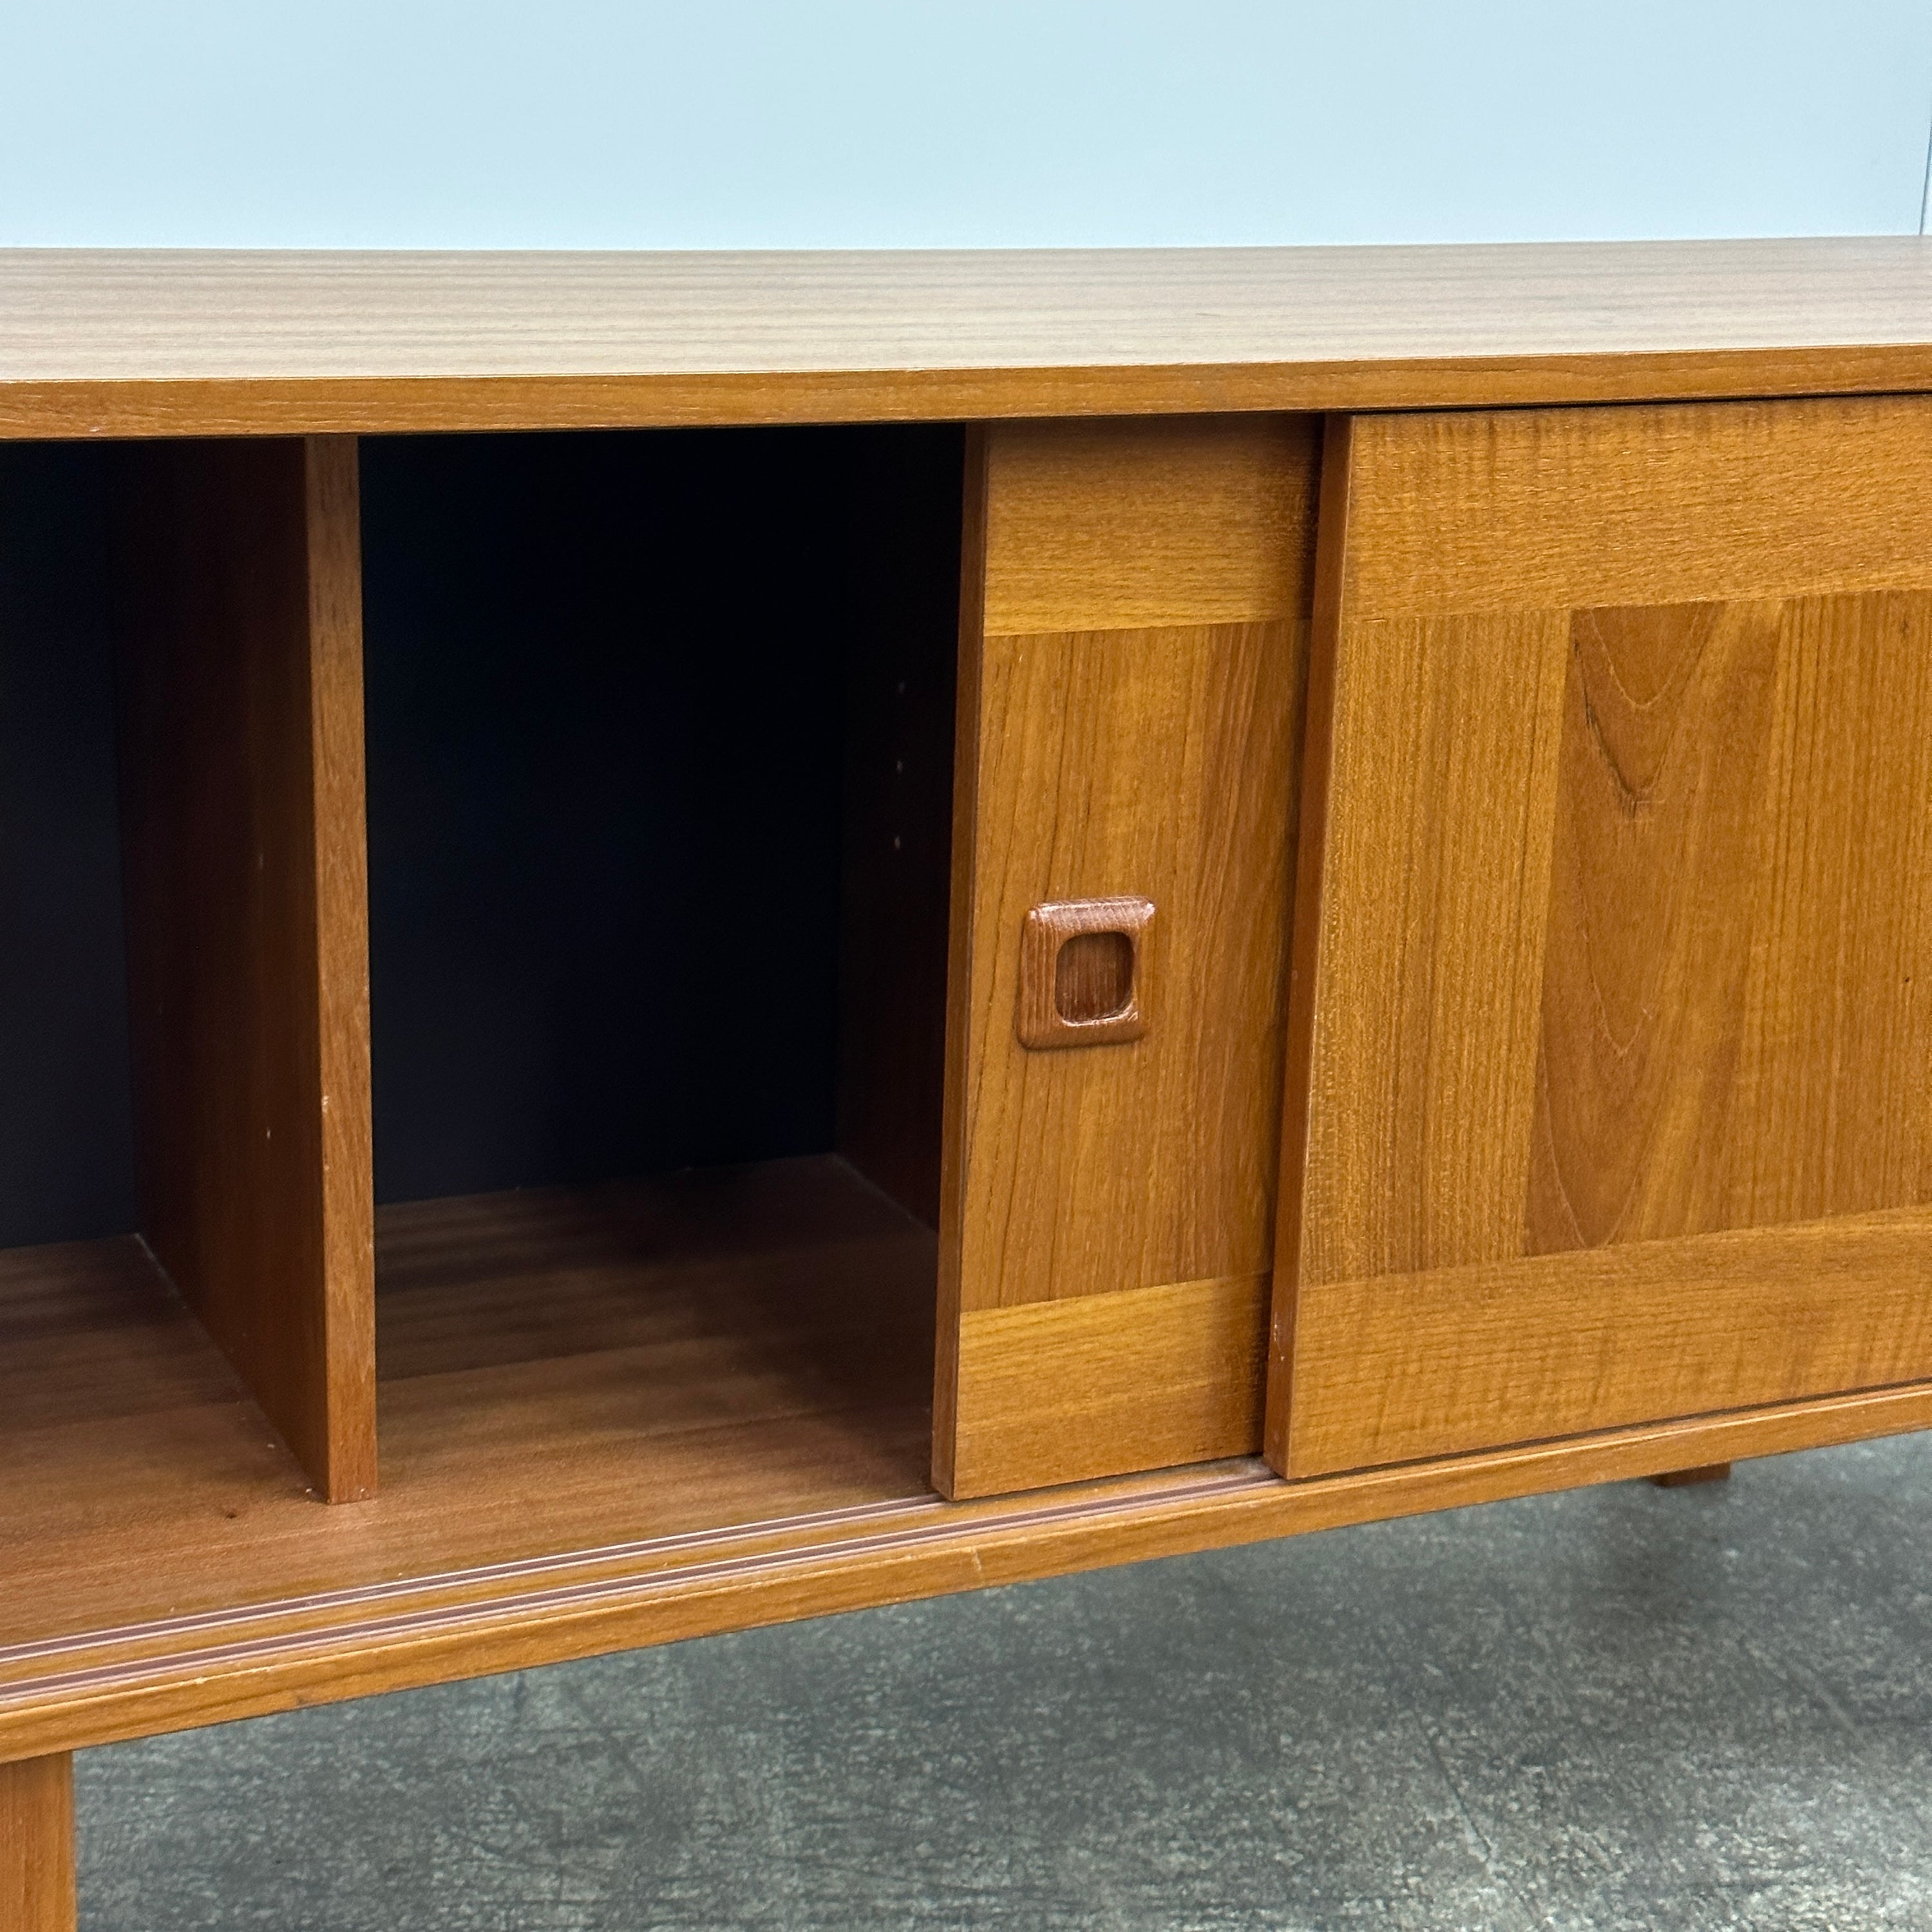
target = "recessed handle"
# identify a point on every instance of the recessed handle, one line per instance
(1084, 973)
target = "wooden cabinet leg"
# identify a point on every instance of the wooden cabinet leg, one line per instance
(1707, 1472)
(37, 1845)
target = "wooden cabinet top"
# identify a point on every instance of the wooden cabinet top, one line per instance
(147, 343)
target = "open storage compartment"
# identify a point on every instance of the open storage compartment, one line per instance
(186, 1332)
(660, 734)
(659, 753)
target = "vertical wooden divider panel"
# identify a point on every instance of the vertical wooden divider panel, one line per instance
(36, 1850)
(1610, 1029)
(246, 864)
(1134, 625)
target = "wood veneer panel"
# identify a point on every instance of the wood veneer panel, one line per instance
(1733, 1033)
(1119, 759)
(366, 1620)
(1549, 509)
(1104, 762)
(134, 343)
(561, 1369)
(614, 1416)
(37, 1863)
(1616, 926)
(1454, 729)
(1147, 1377)
(1090, 527)
(245, 855)
(1409, 1366)
(721, 1345)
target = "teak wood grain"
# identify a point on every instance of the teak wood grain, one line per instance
(1100, 527)
(1145, 747)
(1735, 1028)
(245, 855)
(1085, 978)
(1616, 927)
(148, 343)
(627, 1415)
(1407, 1366)
(1606, 1123)
(37, 1860)
(1145, 1378)
(1514, 510)
(561, 1369)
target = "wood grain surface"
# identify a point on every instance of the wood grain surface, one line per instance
(1622, 927)
(1516, 510)
(560, 1369)
(1085, 977)
(138, 343)
(245, 858)
(1056, 1391)
(37, 1861)
(206, 1588)
(1091, 527)
(1407, 1366)
(1118, 758)
(1425, 1057)
(1735, 1029)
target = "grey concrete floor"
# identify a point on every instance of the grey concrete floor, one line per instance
(1627, 1707)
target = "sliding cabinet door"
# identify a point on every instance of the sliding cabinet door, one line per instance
(1610, 1071)
(1132, 664)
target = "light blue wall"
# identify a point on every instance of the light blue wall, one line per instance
(907, 123)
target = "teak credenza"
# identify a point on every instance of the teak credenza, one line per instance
(1310, 866)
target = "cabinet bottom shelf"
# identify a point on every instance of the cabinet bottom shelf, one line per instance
(559, 1370)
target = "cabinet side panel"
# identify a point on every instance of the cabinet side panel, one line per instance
(244, 850)
(1136, 734)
